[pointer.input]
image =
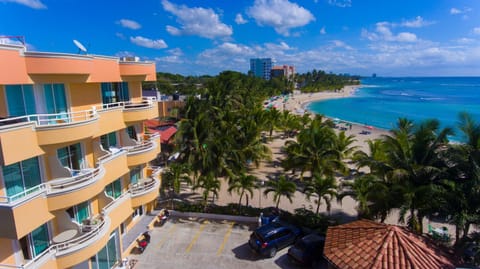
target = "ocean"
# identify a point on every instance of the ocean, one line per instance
(379, 101)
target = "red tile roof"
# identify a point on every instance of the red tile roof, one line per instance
(166, 130)
(368, 244)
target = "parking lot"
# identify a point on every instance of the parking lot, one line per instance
(201, 243)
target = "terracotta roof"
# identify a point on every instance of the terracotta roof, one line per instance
(368, 244)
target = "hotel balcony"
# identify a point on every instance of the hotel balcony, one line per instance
(75, 187)
(143, 152)
(17, 212)
(54, 128)
(75, 246)
(140, 111)
(144, 191)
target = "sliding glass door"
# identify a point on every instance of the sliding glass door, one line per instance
(21, 176)
(71, 156)
(108, 256)
(113, 92)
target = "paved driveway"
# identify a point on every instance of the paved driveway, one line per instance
(205, 244)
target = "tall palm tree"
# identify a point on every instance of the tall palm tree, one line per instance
(322, 188)
(243, 185)
(415, 166)
(279, 188)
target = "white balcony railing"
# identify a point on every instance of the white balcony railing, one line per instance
(57, 119)
(128, 105)
(144, 187)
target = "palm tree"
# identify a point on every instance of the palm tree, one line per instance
(280, 187)
(415, 166)
(175, 174)
(315, 151)
(209, 184)
(243, 185)
(322, 188)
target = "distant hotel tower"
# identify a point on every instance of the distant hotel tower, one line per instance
(261, 67)
(76, 183)
(285, 71)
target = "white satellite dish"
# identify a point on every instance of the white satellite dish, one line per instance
(80, 46)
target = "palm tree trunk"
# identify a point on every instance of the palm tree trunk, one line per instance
(240, 200)
(318, 206)
(278, 202)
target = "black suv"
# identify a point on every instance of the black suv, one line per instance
(268, 239)
(308, 250)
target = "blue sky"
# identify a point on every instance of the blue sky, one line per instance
(390, 38)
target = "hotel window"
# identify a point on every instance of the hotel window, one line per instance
(21, 176)
(132, 133)
(35, 242)
(114, 189)
(71, 156)
(79, 212)
(114, 92)
(55, 99)
(135, 174)
(20, 100)
(109, 255)
(108, 140)
(137, 212)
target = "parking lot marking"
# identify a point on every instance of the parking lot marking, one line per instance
(170, 232)
(187, 250)
(225, 239)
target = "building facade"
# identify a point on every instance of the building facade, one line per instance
(261, 67)
(285, 71)
(75, 178)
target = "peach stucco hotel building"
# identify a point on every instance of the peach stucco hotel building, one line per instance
(75, 178)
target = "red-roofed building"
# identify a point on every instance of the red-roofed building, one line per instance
(368, 244)
(166, 129)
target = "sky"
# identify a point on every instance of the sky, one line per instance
(206, 37)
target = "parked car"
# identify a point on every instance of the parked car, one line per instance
(308, 249)
(266, 240)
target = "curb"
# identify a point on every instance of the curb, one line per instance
(213, 216)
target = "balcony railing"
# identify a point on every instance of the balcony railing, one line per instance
(43, 120)
(110, 206)
(80, 178)
(86, 238)
(143, 146)
(146, 102)
(143, 187)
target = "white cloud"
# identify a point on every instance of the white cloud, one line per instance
(340, 3)
(129, 24)
(416, 23)
(175, 57)
(476, 30)
(341, 44)
(323, 31)
(239, 19)
(282, 15)
(383, 33)
(282, 46)
(196, 21)
(148, 43)
(35, 4)
(455, 11)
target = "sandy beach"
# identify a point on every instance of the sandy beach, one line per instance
(296, 104)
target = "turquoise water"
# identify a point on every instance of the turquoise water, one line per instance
(381, 101)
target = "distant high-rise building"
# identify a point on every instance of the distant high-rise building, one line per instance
(286, 71)
(261, 67)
